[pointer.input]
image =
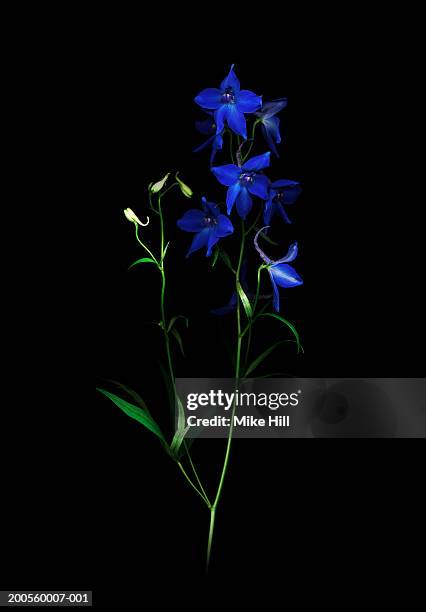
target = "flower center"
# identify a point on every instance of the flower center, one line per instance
(210, 221)
(228, 96)
(279, 196)
(247, 177)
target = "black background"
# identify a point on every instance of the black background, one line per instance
(108, 510)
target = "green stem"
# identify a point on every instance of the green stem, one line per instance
(251, 323)
(211, 531)
(231, 427)
(182, 469)
(201, 492)
(144, 245)
(253, 130)
(196, 473)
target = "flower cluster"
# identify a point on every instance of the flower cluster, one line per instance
(226, 108)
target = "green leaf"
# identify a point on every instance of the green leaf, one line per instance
(135, 412)
(179, 340)
(245, 301)
(289, 325)
(143, 260)
(261, 358)
(215, 257)
(165, 249)
(133, 394)
(226, 260)
(181, 430)
(174, 319)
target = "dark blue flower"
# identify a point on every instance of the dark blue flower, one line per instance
(208, 224)
(243, 181)
(229, 104)
(270, 123)
(208, 127)
(281, 274)
(281, 193)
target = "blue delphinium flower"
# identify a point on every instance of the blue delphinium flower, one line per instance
(281, 193)
(208, 127)
(208, 224)
(270, 123)
(281, 274)
(243, 181)
(229, 104)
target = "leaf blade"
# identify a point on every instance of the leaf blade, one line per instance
(289, 325)
(245, 301)
(142, 260)
(135, 413)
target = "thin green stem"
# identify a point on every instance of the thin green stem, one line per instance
(196, 473)
(253, 130)
(210, 540)
(164, 322)
(231, 145)
(144, 245)
(231, 427)
(182, 469)
(251, 323)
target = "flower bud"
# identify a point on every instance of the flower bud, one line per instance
(187, 191)
(156, 187)
(130, 216)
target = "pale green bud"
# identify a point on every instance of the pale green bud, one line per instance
(130, 216)
(187, 191)
(156, 187)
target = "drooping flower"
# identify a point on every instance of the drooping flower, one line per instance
(281, 193)
(208, 225)
(229, 103)
(281, 274)
(270, 123)
(243, 181)
(208, 127)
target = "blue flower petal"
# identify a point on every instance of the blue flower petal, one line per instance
(230, 307)
(285, 275)
(268, 212)
(224, 226)
(259, 187)
(210, 98)
(232, 195)
(206, 126)
(282, 212)
(263, 255)
(291, 254)
(276, 295)
(192, 221)
(270, 142)
(236, 120)
(231, 81)
(269, 109)
(248, 102)
(258, 163)
(204, 144)
(213, 238)
(227, 175)
(244, 203)
(200, 240)
(219, 117)
(283, 183)
(291, 194)
(210, 208)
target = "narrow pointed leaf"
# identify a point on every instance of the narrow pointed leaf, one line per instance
(215, 257)
(143, 260)
(176, 334)
(133, 394)
(135, 412)
(226, 260)
(289, 325)
(174, 319)
(245, 301)
(261, 358)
